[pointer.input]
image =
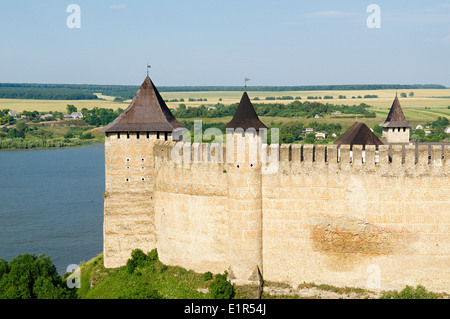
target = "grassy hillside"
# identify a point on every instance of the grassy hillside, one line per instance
(154, 280)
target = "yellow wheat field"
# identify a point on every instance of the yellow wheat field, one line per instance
(426, 105)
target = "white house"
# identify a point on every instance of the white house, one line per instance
(321, 136)
(14, 113)
(447, 130)
(77, 115)
(46, 116)
(419, 127)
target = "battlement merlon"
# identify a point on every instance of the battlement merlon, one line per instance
(423, 158)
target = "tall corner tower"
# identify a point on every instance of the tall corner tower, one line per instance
(395, 129)
(128, 206)
(244, 194)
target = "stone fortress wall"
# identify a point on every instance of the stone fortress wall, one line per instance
(366, 218)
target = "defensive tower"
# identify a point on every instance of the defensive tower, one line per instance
(395, 128)
(244, 139)
(129, 208)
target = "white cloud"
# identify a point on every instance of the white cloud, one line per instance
(117, 6)
(333, 14)
(446, 39)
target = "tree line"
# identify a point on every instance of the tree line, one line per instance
(45, 94)
(86, 91)
(294, 109)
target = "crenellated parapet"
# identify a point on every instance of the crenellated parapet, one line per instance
(385, 159)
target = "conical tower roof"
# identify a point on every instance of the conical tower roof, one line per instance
(396, 118)
(147, 112)
(358, 134)
(245, 116)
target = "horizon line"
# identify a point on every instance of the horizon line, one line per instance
(236, 86)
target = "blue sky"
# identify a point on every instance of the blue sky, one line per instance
(212, 42)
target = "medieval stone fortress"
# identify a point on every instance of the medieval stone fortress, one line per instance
(365, 212)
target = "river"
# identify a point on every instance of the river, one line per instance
(51, 201)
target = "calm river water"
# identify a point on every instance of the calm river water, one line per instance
(51, 201)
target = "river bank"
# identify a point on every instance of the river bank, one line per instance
(35, 144)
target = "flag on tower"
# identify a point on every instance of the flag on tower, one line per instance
(245, 85)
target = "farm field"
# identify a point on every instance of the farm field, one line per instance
(422, 97)
(42, 106)
(426, 105)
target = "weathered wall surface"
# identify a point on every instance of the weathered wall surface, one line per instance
(191, 211)
(358, 224)
(128, 213)
(396, 134)
(379, 223)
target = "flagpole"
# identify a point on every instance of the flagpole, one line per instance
(245, 85)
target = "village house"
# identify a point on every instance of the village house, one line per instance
(14, 114)
(46, 116)
(77, 115)
(320, 136)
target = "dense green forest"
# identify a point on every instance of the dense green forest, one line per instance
(85, 91)
(32, 277)
(39, 92)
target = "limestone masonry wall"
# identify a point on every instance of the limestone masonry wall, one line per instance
(128, 213)
(358, 224)
(370, 218)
